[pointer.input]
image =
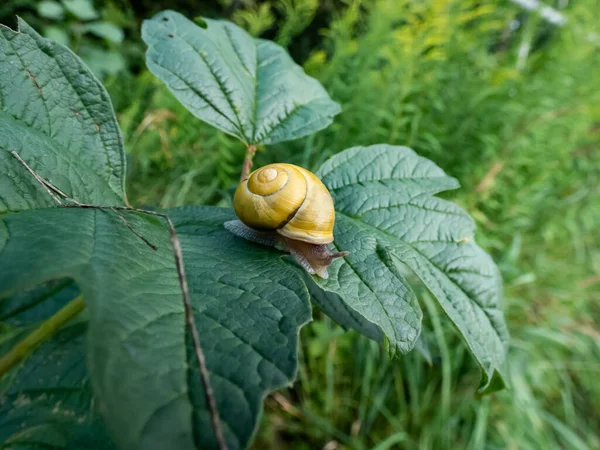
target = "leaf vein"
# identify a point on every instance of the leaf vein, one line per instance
(247, 343)
(226, 92)
(453, 282)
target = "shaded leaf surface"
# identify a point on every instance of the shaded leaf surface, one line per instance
(50, 403)
(248, 307)
(36, 304)
(116, 272)
(370, 284)
(58, 117)
(249, 88)
(388, 217)
(341, 311)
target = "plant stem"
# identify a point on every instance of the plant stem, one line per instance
(43, 332)
(250, 151)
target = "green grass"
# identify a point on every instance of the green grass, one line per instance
(520, 130)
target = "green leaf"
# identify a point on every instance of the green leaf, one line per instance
(395, 228)
(103, 62)
(3, 235)
(34, 305)
(50, 405)
(57, 34)
(58, 118)
(249, 88)
(105, 30)
(82, 9)
(200, 22)
(252, 305)
(50, 10)
(341, 311)
(370, 283)
(248, 305)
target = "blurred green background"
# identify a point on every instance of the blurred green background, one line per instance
(505, 96)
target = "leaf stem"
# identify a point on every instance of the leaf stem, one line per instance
(40, 334)
(250, 151)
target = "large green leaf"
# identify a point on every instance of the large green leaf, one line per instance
(249, 88)
(58, 118)
(50, 404)
(248, 306)
(247, 303)
(391, 222)
(132, 293)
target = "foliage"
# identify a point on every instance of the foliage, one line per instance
(519, 139)
(147, 368)
(252, 90)
(99, 248)
(94, 30)
(57, 409)
(521, 142)
(388, 218)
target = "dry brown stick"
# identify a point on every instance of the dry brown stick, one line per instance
(200, 358)
(189, 315)
(489, 177)
(146, 241)
(59, 192)
(590, 281)
(37, 177)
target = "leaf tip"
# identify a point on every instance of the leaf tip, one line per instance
(492, 382)
(200, 22)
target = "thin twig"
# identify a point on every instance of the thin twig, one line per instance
(40, 334)
(286, 405)
(249, 156)
(37, 177)
(146, 241)
(59, 192)
(189, 315)
(590, 281)
(489, 177)
(200, 358)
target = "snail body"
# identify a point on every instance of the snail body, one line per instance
(286, 206)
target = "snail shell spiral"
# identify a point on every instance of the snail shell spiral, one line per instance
(289, 200)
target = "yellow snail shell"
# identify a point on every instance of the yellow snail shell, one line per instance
(287, 206)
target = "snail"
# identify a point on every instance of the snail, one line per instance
(288, 207)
